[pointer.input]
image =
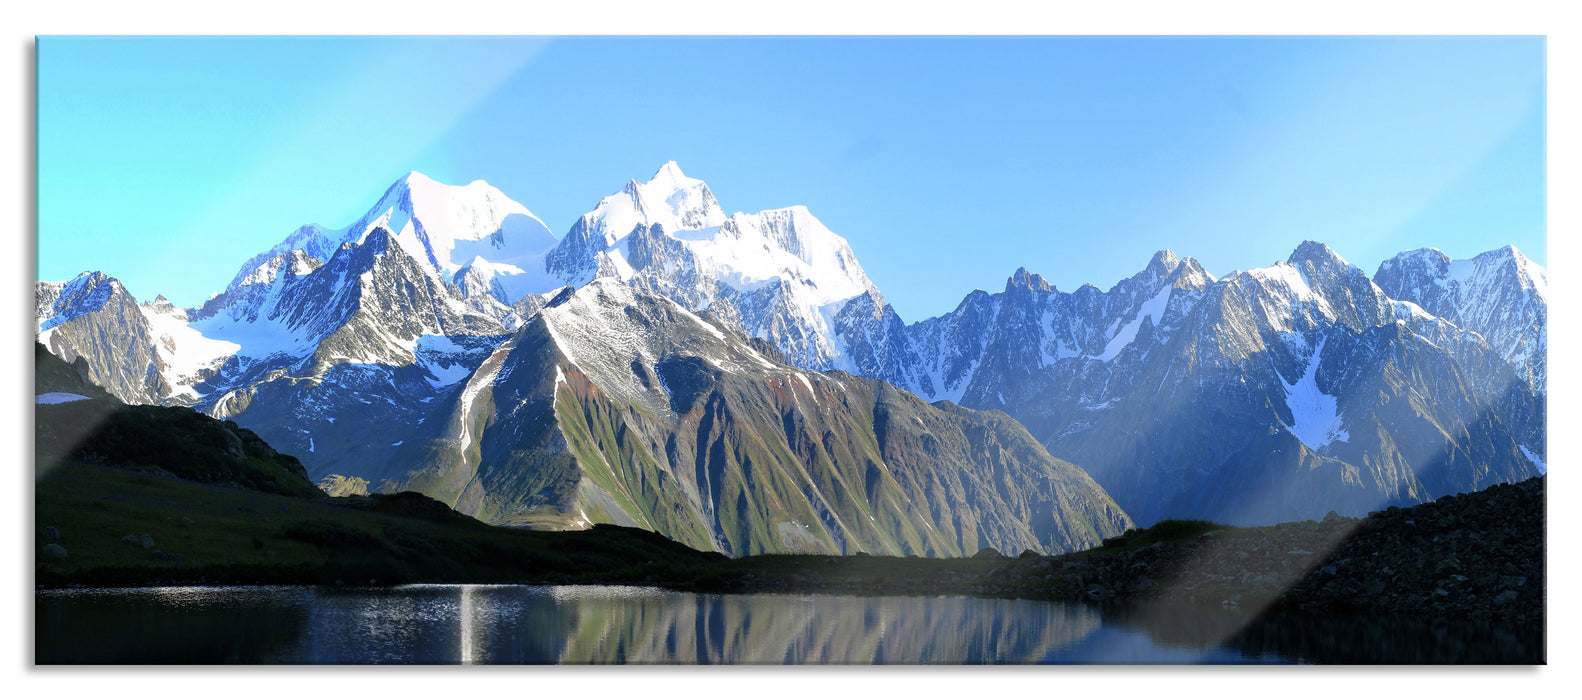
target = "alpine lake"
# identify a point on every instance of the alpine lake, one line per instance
(517, 624)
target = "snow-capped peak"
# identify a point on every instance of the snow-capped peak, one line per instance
(59, 302)
(313, 239)
(450, 225)
(1163, 262)
(1321, 256)
(443, 225)
(669, 176)
(670, 198)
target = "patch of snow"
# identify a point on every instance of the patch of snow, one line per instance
(1410, 310)
(483, 378)
(1463, 271)
(706, 325)
(807, 384)
(510, 283)
(1542, 468)
(445, 362)
(184, 351)
(1314, 415)
(397, 443)
(55, 397)
(1281, 291)
(1153, 308)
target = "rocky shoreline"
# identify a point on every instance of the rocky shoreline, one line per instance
(1476, 556)
(1469, 557)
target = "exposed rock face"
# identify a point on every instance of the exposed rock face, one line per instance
(1499, 294)
(1269, 395)
(93, 317)
(338, 485)
(614, 405)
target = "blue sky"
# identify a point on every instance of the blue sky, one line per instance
(947, 163)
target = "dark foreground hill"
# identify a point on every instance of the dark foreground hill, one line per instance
(148, 495)
(99, 429)
(118, 526)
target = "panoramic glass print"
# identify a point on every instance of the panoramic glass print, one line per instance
(943, 350)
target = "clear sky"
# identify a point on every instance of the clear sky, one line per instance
(947, 163)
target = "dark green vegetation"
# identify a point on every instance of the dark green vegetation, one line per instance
(207, 533)
(175, 440)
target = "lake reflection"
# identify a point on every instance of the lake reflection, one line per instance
(597, 624)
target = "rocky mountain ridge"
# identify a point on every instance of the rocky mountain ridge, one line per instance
(1267, 395)
(1271, 394)
(618, 405)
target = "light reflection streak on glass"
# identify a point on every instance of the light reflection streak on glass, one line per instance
(468, 642)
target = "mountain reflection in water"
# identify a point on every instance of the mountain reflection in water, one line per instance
(448, 624)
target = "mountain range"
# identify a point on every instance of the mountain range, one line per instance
(738, 383)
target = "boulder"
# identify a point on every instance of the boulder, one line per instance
(144, 540)
(50, 533)
(54, 551)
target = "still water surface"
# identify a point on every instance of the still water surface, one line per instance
(449, 624)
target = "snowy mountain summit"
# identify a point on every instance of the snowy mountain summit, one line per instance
(430, 259)
(1264, 395)
(446, 226)
(779, 274)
